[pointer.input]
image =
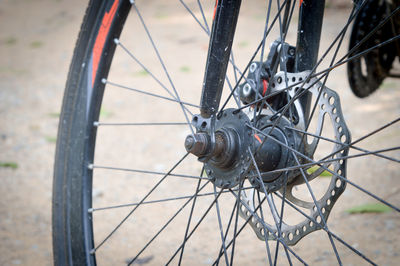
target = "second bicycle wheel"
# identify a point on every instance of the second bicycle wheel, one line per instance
(127, 192)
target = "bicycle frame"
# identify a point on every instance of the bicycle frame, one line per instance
(221, 38)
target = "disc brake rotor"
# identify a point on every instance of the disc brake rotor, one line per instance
(328, 110)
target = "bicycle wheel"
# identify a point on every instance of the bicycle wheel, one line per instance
(367, 73)
(126, 191)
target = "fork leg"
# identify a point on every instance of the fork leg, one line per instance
(223, 30)
(308, 38)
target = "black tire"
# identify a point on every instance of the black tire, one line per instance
(367, 73)
(72, 187)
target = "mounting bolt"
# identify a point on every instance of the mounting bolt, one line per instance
(246, 90)
(253, 67)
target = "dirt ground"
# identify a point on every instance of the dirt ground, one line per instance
(36, 44)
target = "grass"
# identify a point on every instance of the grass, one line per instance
(204, 174)
(10, 41)
(369, 208)
(105, 113)
(141, 73)
(161, 15)
(51, 139)
(12, 165)
(13, 70)
(388, 85)
(54, 114)
(36, 44)
(315, 168)
(243, 44)
(184, 69)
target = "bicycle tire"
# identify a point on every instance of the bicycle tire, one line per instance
(70, 233)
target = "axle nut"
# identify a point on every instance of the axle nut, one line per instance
(197, 144)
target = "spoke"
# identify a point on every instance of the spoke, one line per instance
(286, 23)
(265, 233)
(281, 220)
(163, 66)
(324, 161)
(300, 92)
(282, 24)
(190, 217)
(350, 146)
(237, 207)
(286, 27)
(169, 221)
(329, 170)
(221, 230)
(232, 93)
(339, 37)
(323, 228)
(326, 71)
(341, 149)
(238, 103)
(283, 58)
(249, 63)
(269, 229)
(202, 14)
(283, 109)
(370, 34)
(320, 75)
(227, 230)
(207, 31)
(235, 72)
(238, 232)
(342, 62)
(118, 42)
(97, 124)
(147, 93)
(204, 27)
(93, 166)
(273, 212)
(91, 210)
(194, 229)
(353, 249)
(265, 31)
(326, 77)
(134, 209)
(325, 225)
(262, 57)
(375, 131)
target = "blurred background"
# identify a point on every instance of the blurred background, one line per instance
(36, 43)
(37, 38)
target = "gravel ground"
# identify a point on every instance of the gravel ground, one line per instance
(36, 44)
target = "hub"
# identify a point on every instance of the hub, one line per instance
(272, 152)
(227, 157)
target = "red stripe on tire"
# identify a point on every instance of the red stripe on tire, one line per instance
(101, 38)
